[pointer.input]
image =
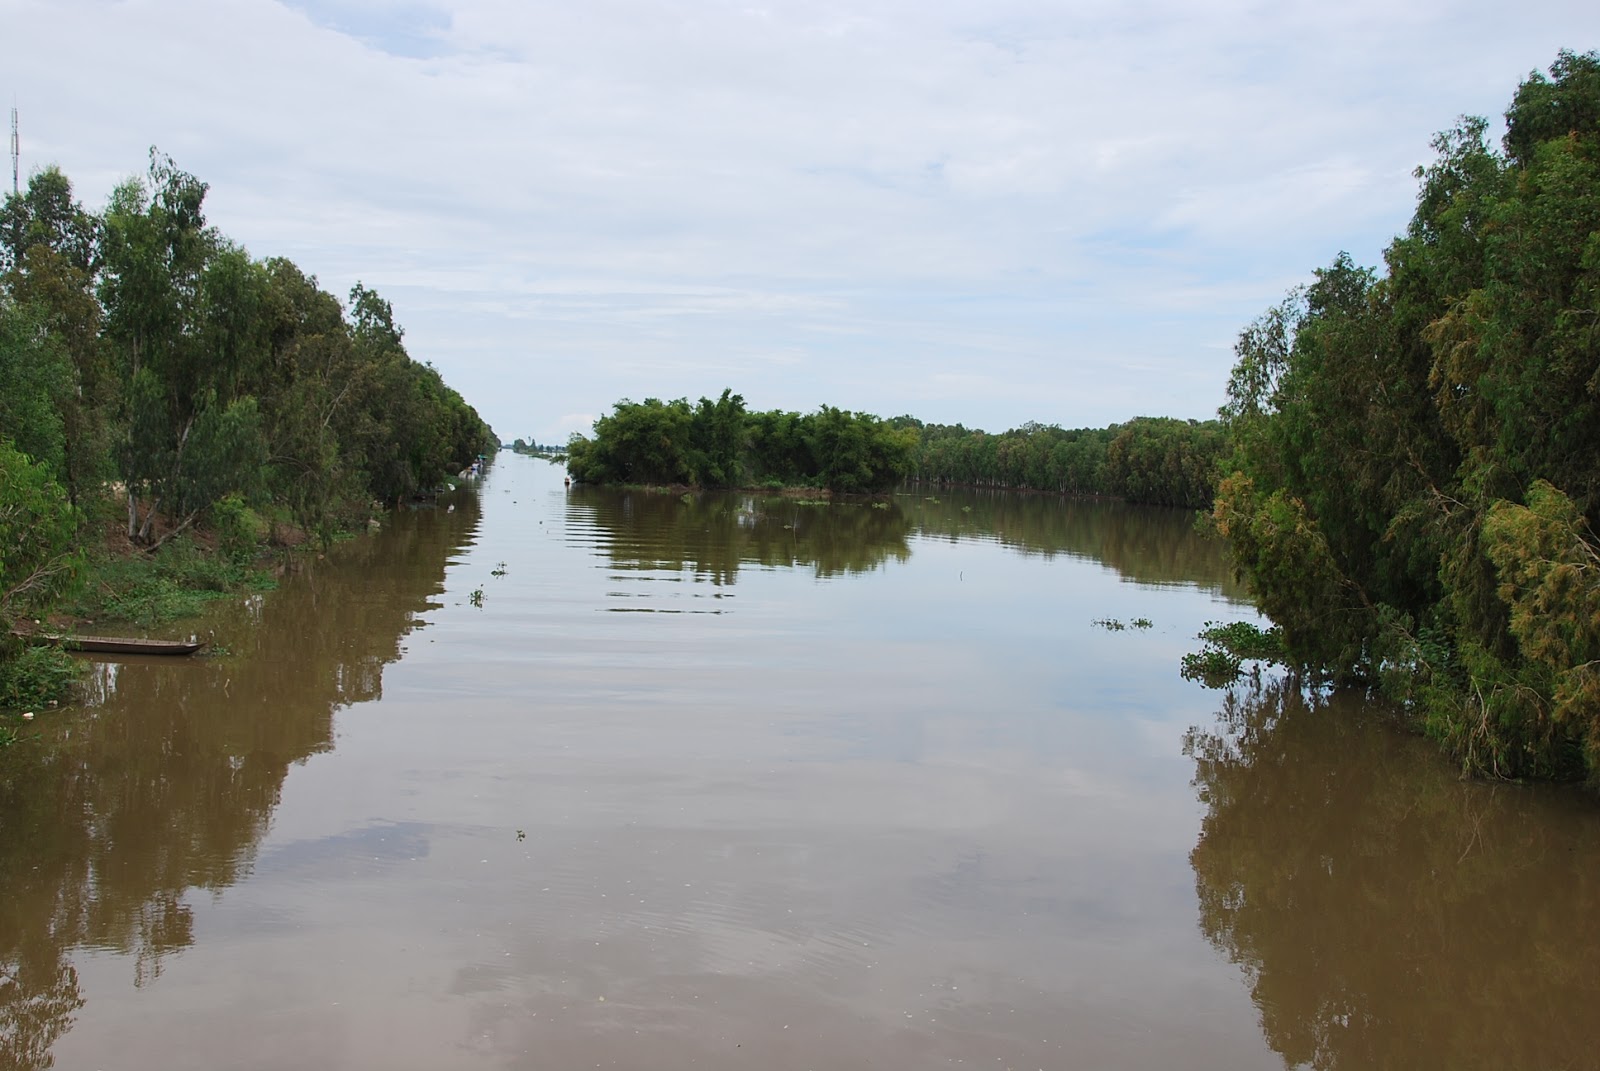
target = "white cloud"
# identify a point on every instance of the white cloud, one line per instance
(854, 203)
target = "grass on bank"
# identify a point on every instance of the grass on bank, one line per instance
(175, 582)
(121, 588)
(35, 677)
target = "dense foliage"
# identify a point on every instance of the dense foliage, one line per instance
(721, 444)
(1415, 484)
(143, 354)
(38, 555)
(1155, 460)
(141, 345)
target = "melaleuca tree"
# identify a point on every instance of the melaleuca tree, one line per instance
(49, 259)
(157, 248)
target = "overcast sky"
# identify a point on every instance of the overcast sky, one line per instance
(984, 213)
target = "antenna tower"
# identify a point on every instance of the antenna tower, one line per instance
(16, 150)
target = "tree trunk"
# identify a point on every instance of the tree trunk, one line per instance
(149, 521)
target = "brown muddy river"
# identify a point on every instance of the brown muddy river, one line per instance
(569, 779)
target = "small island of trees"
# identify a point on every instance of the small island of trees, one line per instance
(722, 444)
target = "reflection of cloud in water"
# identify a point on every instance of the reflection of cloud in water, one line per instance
(377, 847)
(886, 821)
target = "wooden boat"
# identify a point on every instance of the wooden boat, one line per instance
(112, 644)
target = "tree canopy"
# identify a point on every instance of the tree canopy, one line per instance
(721, 444)
(1414, 486)
(142, 349)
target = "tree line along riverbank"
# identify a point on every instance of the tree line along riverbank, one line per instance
(722, 444)
(169, 404)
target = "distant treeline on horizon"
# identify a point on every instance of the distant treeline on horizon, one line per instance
(1157, 460)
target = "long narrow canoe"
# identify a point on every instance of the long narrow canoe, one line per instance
(113, 644)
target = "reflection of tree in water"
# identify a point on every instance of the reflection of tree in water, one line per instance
(167, 780)
(713, 534)
(1386, 913)
(37, 1001)
(1146, 544)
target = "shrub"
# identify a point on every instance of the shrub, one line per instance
(240, 530)
(34, 676)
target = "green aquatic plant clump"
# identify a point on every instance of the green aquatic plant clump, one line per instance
(1227, 647)
(1112, 624)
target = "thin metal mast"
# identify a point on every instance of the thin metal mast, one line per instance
(16, 150)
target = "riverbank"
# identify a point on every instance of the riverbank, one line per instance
(123, 589)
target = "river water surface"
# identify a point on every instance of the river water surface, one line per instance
(549, 778)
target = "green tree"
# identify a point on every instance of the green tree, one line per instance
(157, 247)
(35, 377)
(49, 256)
(46, 215)
(1415, 474)
(717, 435)
(39, 557)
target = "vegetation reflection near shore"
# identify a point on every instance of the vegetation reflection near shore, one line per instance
(166, 781)
(1385, 912)
(713, 534)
